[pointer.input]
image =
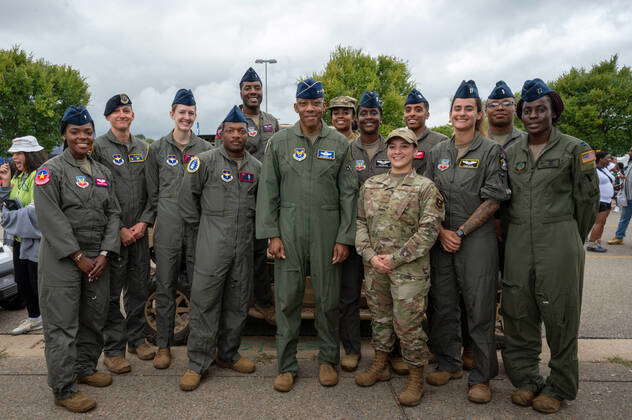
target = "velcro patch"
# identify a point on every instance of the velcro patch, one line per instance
(420, 154)
(326, 154)
(267, 128)
(194, 165)
(101, 182)
(588, 156)
(548, 163)
(469, 163)
(42, 177)
(381, 163)
(135, 158)
(246, 177)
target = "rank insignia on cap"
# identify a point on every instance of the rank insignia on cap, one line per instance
(246, 177)
(443, 164)
(360, 165)
(420, 154)
(42, 177)
(588, 156)
(469, 163)
(135, 158)
(299, 154)
(186, 158)
(252, 131)
(100, 182)
(172, 160)
(117, 159)
(81, 182)
(383, 163)
(194, 164)
(520, 166)
(227, 175)
(267, 128)
(326, 154)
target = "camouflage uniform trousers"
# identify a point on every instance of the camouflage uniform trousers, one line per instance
(398, 306)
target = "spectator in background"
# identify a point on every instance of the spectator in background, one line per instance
(624, 200)
(606, 193)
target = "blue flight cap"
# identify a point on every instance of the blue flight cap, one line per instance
(467, 90)
(534, 89)
(116, 101)
(75, 115)
(370, 100)
(250, 76)
(415, 97)
(309, 89)
(501, 91)
(184, 97)
(236, 115)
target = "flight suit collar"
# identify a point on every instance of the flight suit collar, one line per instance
(423, 135)
(476, 142)
(171, 140)
(68, 157)
(222, 151)
(357, 143)
(112, 139)
(406, 181)
(262, 114)
(324, 130)
(554, 138)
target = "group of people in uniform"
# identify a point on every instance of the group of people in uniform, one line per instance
(417, 220)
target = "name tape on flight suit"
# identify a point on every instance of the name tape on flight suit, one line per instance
(469, 163)
(326, 154)
(135, 158)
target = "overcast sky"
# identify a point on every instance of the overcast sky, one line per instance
(149, 49)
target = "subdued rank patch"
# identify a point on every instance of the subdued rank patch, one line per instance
(469, 163)
(360, 165)
(267, 128)
(81, 182)
(172, 160)
(381, 163)
(520, 166)
(252, 131)
(42, 176)
(420, 154)
(227, 175)
(443, 164)
(135, 158)
(186, 158)
(117, 159)
(326, 154)
(101, 182)
(548, 163)
(246, 177)
(299, 154)
(194, 165)
(588, 156)
(439, 202)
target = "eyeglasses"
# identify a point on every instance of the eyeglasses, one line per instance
(504, 104)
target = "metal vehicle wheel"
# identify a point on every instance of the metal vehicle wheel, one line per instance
(181, 326)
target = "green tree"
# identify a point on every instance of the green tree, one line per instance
(445, 129)
(598, 105)
(351, 72)
(34, 95)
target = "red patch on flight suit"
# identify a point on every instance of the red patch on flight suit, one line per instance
(42, 177)
(246, 177)
(420, 154)
(101, 182)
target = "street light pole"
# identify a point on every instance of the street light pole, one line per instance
(265, 63)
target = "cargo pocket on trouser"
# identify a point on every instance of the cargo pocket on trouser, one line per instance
(513, 306)
(410, 295)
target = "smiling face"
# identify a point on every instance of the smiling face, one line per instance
(369, 120)
(234, 137)
(184, 116)
(310, 112)
(538, 115)
(401, 154)
(251, 94)
(79, 139)
(500, 112)
(415, 116)
(19, 159)
(464, 114)
(342, 118)
(121, 118)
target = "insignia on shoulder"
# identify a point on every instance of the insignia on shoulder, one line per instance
(42, 176)
(326, 154)
(299, 154)
(227, 175)
(443, 164)
(117, 159)
(194, 165)
(469, 163)
(588, 156)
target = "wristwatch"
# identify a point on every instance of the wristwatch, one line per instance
(104, 253)
(460, 233)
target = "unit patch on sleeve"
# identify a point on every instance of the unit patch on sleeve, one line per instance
(42, 176)
(246, 177)
(326, 154)
(469, 163)
(588, 156)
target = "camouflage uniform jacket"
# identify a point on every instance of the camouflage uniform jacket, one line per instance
(401, 217)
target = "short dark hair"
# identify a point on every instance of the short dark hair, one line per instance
(242, 83)
(33, 160)
(601, 154)
(557, 106)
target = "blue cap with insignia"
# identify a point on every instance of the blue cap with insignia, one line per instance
(415, 97)
(500, 91)
(534, 89)
(250, 76)
(467, 90)
(184, 97)
(116, 101)
(309, 89)
(236, 115)
(75, 115)
(370, 100)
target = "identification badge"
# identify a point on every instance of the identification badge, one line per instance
(101, 182)
(326, 154)
(117, 159)
(186, 158)
(81, 182)
(135, 158)
(227, 175)
(469, 163)
(299, 154)
(42, 176)
(520, 166)
(420, 154)
(381, 163)
(359, 165)
(267, 128)
(548, 163)
(194, 164)
(246, 177)
(252, 131)
(443, 164)
(172, 160)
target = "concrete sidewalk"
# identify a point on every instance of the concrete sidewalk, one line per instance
(605, 389)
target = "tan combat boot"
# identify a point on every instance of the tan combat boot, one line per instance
(439, 377)
(242, 365)
(480, 393)
(349, 362)
(378, 371)
(522, 397)
(190, 380)
(77, 403)
(117, 364)
(162, 360)
(615, 241)
(284, 382)
(328, 375)
(97, 379)
(468, 358)
(399, 366)
(143, 352)
(546, 404)
(411, 396)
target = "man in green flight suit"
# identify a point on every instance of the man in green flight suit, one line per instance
(500, 109)
(172, 241)
(306, 208)
(416, 113)
(125, 156)
(218, 193)
(555, 196)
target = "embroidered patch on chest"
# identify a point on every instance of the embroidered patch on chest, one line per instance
(246, 177)
(42, 176)
(267, 128)
(469, 163)
(172, 160)
(101, 182)
(252, 131)
(420, 154)
(186, 158)
(521, 166)
(548, 163)
(381, 163)
(194, 165)
(326, 154)
(135, 158)
(81, 181)
(443, 164)
(117, 159)
(227, 175)
(360, 165)
(299, 154)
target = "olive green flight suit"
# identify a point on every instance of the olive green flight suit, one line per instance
(75, 211)
(307, 196)
(471, 272)
(352, 267)
(509, 140)
(172, 242)
(553, 207)
(425, 142)
(220, 198)
(129, 270)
